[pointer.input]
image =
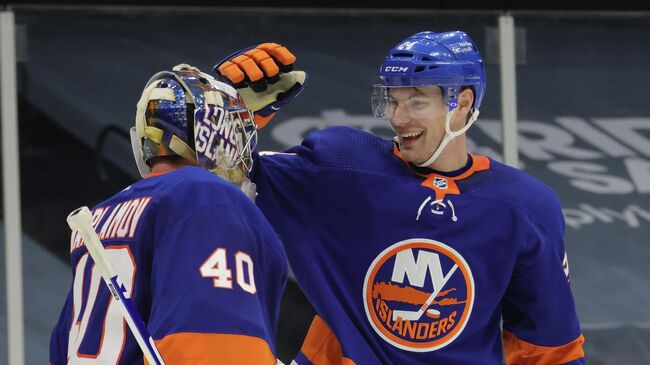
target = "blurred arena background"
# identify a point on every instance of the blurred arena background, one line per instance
(582, 112)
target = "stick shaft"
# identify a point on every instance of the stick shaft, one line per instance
(80, 220)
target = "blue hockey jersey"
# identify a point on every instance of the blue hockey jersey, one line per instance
(406, 265)
(204, 269)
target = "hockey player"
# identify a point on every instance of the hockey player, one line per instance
(415, 251)
(203, 266)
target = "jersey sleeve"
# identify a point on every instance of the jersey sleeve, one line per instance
(288, 185)
(288, 167)
(59, 337)
(305, 176)
(321, 347)
(302, 178)
(540, 324)
(208, 301)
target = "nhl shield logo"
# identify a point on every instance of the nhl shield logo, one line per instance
(440, 183)
(418, 295)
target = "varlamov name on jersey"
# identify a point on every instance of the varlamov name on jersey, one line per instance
(121, 223)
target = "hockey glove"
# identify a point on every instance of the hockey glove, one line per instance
(264, 77)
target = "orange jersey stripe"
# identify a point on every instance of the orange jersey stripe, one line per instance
(208, 348)
(322, 347)
(520, 352)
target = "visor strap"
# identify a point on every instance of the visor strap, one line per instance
(449, 135)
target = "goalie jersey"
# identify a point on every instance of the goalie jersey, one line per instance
(202, 265)
(406, 265)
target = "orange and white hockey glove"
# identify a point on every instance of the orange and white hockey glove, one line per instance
(264, 77)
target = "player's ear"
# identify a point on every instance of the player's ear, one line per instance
(465, 100)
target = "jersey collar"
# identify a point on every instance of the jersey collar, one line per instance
(444, 183)
(154, 174)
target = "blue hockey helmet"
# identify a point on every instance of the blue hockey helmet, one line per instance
(449, 60)
(187, 113)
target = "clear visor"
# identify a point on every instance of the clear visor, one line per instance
(412, 102)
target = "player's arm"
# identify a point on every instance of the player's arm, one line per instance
(266, 80)
(60, 333)
(209, 304)
(264, 77)
(540, 324)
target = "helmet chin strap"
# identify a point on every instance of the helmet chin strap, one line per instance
(449, 135)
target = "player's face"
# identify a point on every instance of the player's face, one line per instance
(418, 119)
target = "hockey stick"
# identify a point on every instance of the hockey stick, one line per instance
(80, 220)
(415, 315)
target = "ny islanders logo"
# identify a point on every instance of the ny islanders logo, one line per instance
(418, 295)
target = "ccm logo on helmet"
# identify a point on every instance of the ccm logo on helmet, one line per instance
(395, 69)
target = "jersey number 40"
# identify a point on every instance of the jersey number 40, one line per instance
(216, 267)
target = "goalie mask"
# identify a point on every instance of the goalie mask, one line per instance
(188, 113)
(448, 61)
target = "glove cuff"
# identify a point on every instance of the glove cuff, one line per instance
(261, 120)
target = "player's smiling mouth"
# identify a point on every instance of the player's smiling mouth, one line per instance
(407, 139)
